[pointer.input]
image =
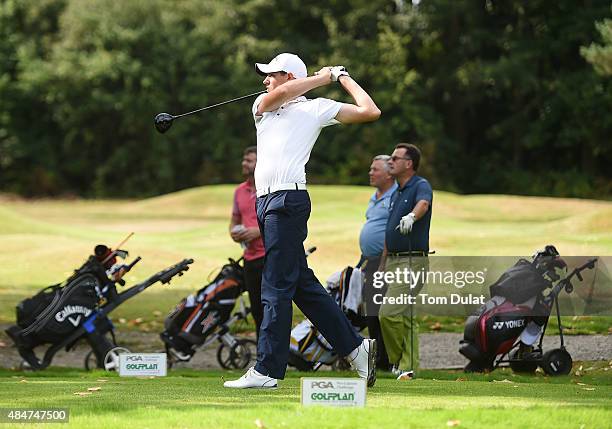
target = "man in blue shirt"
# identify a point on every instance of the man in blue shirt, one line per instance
(372, 242)
(406, 247)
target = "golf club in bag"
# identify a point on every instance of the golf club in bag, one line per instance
(510, 323)
(63, 314)
(308, 348)
(163, 121)
(206, 316)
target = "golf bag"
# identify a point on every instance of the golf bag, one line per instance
(64, 313)
(516, 316)
(308, 348)
(205, 316)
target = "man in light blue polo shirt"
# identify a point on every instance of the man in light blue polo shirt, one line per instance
(372, 242)
(372, 237)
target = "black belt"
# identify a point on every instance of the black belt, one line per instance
(281, 187)
(413, 253)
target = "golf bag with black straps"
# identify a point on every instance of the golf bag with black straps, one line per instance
(308, 348)
(205, 316)
(64, 313)
(516, 316)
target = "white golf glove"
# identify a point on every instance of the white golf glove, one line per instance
(338, 71)
(405, 225)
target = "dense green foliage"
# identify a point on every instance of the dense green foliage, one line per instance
(509, 97)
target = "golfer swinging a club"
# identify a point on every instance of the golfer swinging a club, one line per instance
(287, 126)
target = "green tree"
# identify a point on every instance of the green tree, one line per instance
(117, 64)
(497, 94)
(28, 134)
(522, 111)
(601, 55)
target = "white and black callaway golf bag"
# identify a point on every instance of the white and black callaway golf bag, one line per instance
(62, 314)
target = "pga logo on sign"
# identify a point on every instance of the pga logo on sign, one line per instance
(334, 392)
(142, 364)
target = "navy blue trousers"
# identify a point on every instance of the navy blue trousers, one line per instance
(282, 218)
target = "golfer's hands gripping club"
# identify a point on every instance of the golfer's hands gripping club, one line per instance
(405, 224)
(332, 73)
(325, 74)
(338, 71)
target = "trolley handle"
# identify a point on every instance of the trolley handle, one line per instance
(566, 283)
(166, 275)
(131, 264)
(590, 264)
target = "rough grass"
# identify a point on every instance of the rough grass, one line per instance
(191, 399)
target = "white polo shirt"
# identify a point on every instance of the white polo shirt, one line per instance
(285, 138)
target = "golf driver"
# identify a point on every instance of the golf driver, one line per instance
(163, 121)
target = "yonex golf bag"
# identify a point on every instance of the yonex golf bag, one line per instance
(516, 316)
(62, 314)
(308, 349)
(200, 314)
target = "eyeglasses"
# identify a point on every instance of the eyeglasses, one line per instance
(395, 158)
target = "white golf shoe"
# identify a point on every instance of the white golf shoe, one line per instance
(252, 380)
(365, 361)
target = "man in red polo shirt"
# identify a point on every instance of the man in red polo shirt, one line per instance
(244, 229)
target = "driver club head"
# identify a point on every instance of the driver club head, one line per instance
(163, 122)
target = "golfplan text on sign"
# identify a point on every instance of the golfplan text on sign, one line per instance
(335, 392)
(142, 364)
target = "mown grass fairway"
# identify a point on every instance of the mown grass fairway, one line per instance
(43, 241)
(189, 399)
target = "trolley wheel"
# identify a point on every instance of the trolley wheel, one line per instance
(91, 362)
(24, 365)
(557, 362)
(169, 359)
(474, 366)
(111, 360)
(174, 357)
(523, 366)
(237, 356)
(223, 356)
(243, 352)
(341, 364)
